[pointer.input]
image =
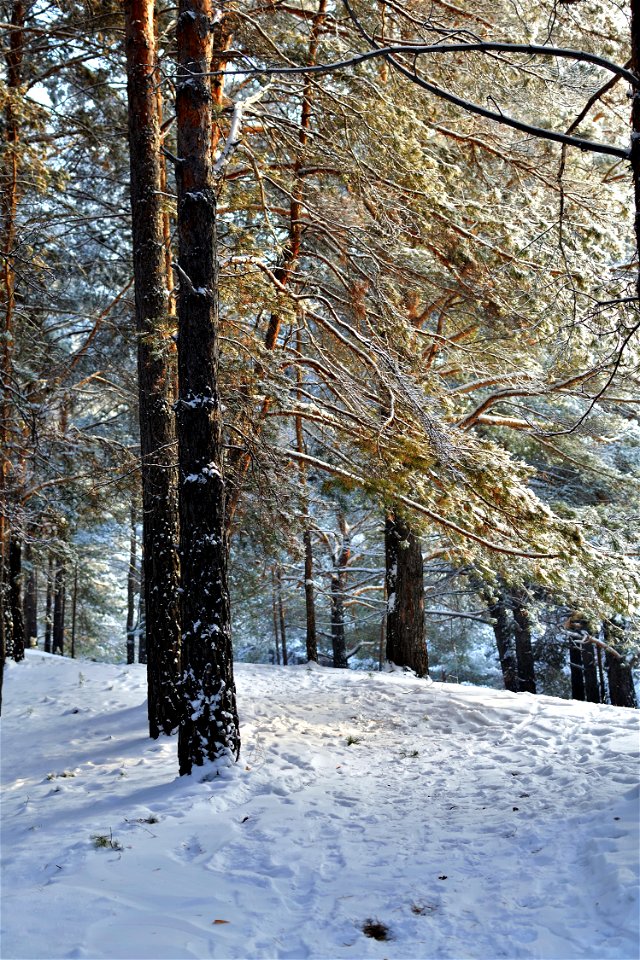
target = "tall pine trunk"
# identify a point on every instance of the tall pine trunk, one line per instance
(157, 434)
(9, 195)
(15, 595)
(30, 598)
(48, 615)
(576, 668)
(524, 648)
(309, 598)
(341, 557)
(619, 671)
(406, 643)
(503, 632)
(59, 601)
(131, 591)
(209, 729)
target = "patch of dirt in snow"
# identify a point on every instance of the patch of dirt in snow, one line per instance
(466, 822)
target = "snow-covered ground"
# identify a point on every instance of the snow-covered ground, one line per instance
(469, 822)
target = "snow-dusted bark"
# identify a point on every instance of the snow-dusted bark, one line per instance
(157, 435)
(209, 729)
(406, 642)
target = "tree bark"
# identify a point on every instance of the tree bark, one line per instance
(209, 729)
(59, 600)
(406, 643)
(131, 591)
(15, 595)
(309, 598)
(9, 195)
(635, 125)
(340, 559)
(141, 626)
(524, 649)
(577, 672)
(504, 634)
(48, 618)
(157, 434)
(283, 629)
(30, 599)
(74, 610)
(591, 686)
(619, 671)
(276, 621)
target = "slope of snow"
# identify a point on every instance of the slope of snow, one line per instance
(471, 823)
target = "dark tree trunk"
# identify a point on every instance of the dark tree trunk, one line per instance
(635, 124)
(209, 728)
(621, 689)
(309, 598)
(141, 627)
(601, 680)
(577, 672)
(406, 643)
(591, 687)
(74, 610)
(619, 671)
(131, 591)
(340, 558)
(157, 434)
(276, 621)
(503, 631)
(524, 648)
(59, 600)
(48, 617)
(30, 599)
(15, 595)
(283, 629)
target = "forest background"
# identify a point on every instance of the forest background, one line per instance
(426, 336)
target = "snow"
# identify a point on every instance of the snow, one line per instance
(471, 822)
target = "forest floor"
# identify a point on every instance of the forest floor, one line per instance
(458, 822)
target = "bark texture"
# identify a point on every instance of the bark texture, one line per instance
(15, 595)
(59, 602)
(406, 642)
(503, 632)
(30, 599)
(209, 729)
(341, 557)
(157, 433)
(524, 648)
(309, 598)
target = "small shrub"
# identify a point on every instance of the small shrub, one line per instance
(103, 840)
(376, 930)
(351, 740)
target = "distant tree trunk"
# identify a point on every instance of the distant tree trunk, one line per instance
(157, 434)
(131, 591)
(74, 610)
(141, 627)
(48, 618)
(309, 598)
(276, 620)
(59, 600)
(31, 599)
(15, 595)
(340, 559)
(283, 631)
(620, 674)
(504, 634)
(591, 687)
(576, 667)
(209, 729)
(524, 648)
(601, 681)
(406, 643)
